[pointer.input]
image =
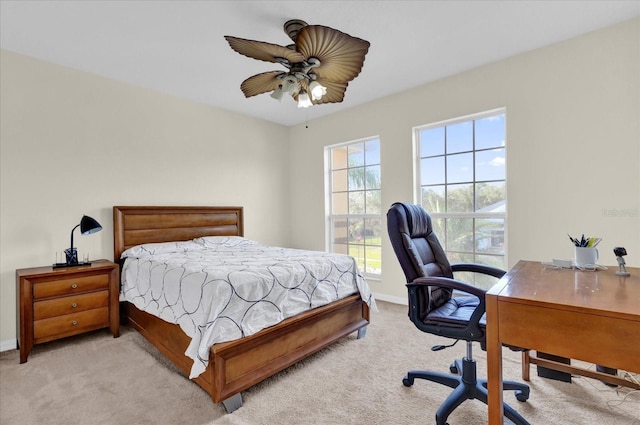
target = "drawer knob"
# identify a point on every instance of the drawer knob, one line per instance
(74, 286)
(74, 305)
(75, 322)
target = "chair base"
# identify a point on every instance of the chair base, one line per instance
(467, 387)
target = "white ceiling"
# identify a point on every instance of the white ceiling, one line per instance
(177, 47)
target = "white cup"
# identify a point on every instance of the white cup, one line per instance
(585, 258)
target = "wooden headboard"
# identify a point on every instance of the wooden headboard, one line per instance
(147, 224)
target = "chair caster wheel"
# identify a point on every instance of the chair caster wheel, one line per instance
(521, 395)
(453, 368)
(407, 382)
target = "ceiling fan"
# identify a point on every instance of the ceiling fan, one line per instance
(320, 63)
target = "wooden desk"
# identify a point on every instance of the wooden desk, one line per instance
(582, 315)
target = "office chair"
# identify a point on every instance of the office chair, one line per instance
(434, 309)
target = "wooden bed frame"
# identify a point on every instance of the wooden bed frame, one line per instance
(235, 365)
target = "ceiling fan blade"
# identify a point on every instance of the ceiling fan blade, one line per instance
(263, 51)
(261, 83)
(341, 55)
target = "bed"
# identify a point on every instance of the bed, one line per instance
(236, 365)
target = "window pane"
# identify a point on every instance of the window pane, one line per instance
(340, 203)
(357, 252)
(490, 197)
(356, 202)
(432, 170)
(460, 137)
(433, 199)
(460, 234)
(492, 260)
(356, 154)
(372, 177)
(356, 230)
(373, 259)
(432, 142)
(460, 198)
(490, 132)
(459, 168)
(462, 257)
(340, 231)
(490, 236)
(356, 178)
(339, 179)
(339, 157)
(490, 165)
(438, 224)
(373, 202)
(372, 231)
(372, 152)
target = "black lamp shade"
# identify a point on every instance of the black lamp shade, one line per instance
(89, 225)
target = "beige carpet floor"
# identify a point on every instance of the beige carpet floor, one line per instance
(96, 379)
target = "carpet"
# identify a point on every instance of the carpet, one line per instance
(96, 379)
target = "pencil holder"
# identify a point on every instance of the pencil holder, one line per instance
(585, 257)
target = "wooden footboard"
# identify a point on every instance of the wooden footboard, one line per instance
(237, 365)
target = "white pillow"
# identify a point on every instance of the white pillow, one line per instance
(161, 248)
(224, 241)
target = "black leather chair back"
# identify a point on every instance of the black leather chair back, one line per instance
(418, 250)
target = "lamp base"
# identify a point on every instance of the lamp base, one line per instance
(62, 265)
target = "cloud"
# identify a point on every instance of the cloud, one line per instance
(498, 161)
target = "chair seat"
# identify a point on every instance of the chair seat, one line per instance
(456, 311)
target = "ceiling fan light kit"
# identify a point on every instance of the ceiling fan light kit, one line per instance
(317, 90)
(303, 100)
(319, 65)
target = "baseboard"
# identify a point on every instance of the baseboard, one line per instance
(8, 345)
(391, 299)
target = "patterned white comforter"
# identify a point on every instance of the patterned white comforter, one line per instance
(222, 288)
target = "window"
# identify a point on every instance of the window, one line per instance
(354, 206)
(462, 184)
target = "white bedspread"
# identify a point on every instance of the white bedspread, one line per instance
(223, 288)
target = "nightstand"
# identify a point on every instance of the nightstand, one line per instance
(57, 303)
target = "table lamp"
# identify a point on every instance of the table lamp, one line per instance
(87, 226)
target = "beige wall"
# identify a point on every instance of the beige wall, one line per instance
(73, 144)
(573, 147)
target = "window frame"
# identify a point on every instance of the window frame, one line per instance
(418, 186)
(329, 201)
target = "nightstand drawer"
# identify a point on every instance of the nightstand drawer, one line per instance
(70, 286)
(68, 305)
(71, 324)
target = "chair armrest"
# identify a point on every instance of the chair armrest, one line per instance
(478, 268)
(448, 283)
